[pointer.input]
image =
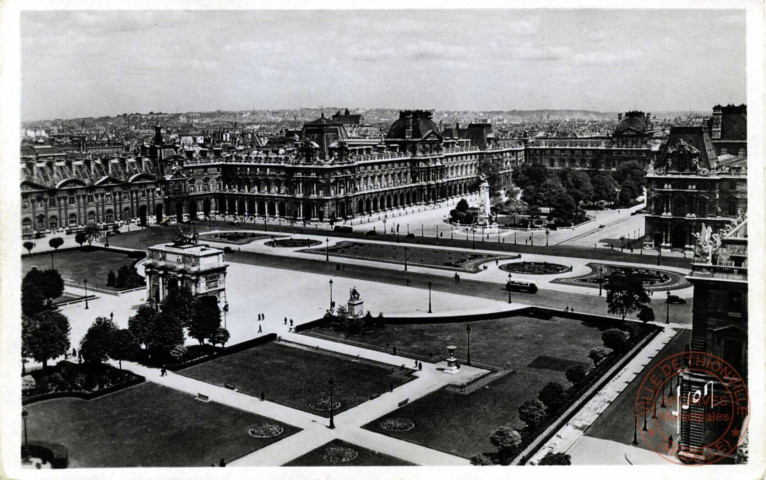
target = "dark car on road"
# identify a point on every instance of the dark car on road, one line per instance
(675, 299)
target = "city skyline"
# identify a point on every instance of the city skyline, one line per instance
(107, 63)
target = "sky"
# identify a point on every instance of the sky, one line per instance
(92, 63)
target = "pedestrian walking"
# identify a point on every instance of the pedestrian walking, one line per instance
(263, 396)
(670, 442)
(163, 371)
(222, 463)
(391, 386)
(74, 353)
(285, 320)
(291, 322)
(420, 365)
(416, 364)
(260, 328)
(394, 349)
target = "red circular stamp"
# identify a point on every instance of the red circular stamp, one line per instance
(692, 408)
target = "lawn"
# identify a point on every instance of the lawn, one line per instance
(147, 425)
(299, 377)
(516, 340)
(449, 259)
(75, 266)
(323, 457)
(537, 351)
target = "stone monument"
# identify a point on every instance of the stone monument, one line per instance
(451, 360)
(484, 206)
(355, 304)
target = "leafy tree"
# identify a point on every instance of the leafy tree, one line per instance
(124, 346)
(543, 194)
(32, 301)
(615, 339)
(51, 284)
(179, 303)
(625, 294)
(551, 458)
(96, 345)
(576, 374)
(55, 243)
(577, 184)
(462, 205)
(142, 323)
(480, 460)
(167, 332)
(604, 187)
(529, 174)
(532, 412)
(91, 232)
(629, 191)
(563, 206)
(631, 171)
(646, 314)
(110, 279)
(507, 440)
(552, 395)
(598, 354)
(29, 246)
(205, 319)
(46, 336)
(80, 238)
(220, 337)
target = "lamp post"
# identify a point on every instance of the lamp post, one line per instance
(327, 250)
(547, 232)
(659, 254)
(225, 311)
(635, 429)
(600, 280)
(622, 242)
(468, 331)
(86, 293)
(384, 226)
(510, 300)
(429, 297)
(646, 409)
(332, 411)
(667, 308)
(473, 235)
(331, 294)
(25, 454)
(106, 241)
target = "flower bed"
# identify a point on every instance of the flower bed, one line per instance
(397, 424)
(266, 430)
(293, 243)
(340, 454)
(323, 405)
(535, 268)
(76, 378)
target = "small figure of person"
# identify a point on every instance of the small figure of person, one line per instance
(670, 442)
(74, 353)
(263, 396)
(566, 309)
(291, 322)
(260, 328)
(222, 463)
(163, 371)
(416, 364)
(394, 349)
(408, 282)
(391, 386)
(420, 365)
(285, 320)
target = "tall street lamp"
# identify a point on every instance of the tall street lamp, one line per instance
(327, 250)
(429, 297)
(86, 293)
(332, 410)
(667, 308)
(659, 254)
(331, 294)
(635, 429)
(225, 311)
(25, 454)
(547, 233)
(468, 331)
(510, 300)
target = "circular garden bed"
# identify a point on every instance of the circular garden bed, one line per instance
(265, 430)
(397, 424)
(323, 405)
(340, 454)
(651, 278)
(293, 243)
(535, 268)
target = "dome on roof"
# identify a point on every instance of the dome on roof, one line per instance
(418, 120)
(636, 121)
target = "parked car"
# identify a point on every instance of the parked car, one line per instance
(601, 226)
(675, 299)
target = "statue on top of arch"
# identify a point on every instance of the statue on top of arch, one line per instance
(185, 238)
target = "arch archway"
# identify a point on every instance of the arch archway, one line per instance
(241, 207)
(341, 209)
(108, 216)
(679, 207)
(158, 213)
(281, 209)
(251, 207)
(261, 207)
(179, 212)
(142, 215)
(192, 209)
(678, 236)
(206, 207)
(73, 218)
(125, 216)
(360, 206)
(368, 206)
(232, 207)
(702, 205)
(271, 208)
(91, 219)
(375, 204)
(54, 222)
(658, 205)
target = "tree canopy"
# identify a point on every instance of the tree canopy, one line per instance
(123, 346)
(96, 345)
(205, 318)
(532, 412)
(558, 458)
(625, 293)
(142, 323)
(45, 336)
(615, 339)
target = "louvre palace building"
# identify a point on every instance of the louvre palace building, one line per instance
(323, 175)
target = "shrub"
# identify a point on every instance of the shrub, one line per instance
(532, 412)
(615, 339)
(598, 354)
(507, 440)
(480, 459)
(552, 395)
(576, 374)
(551, 458)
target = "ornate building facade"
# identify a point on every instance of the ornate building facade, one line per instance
(630, 142)
(687, 187)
